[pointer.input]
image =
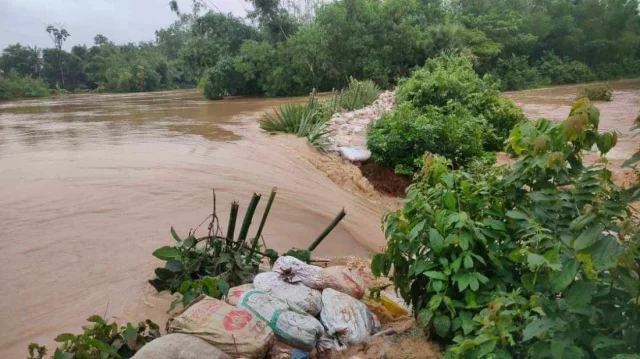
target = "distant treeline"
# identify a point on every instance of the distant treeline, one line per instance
(278, 50)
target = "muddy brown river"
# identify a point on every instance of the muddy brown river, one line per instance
(90, 184)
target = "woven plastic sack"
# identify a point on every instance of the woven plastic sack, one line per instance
(292, 327)
(236, 292)
(233, 330)
(297, 295)
(179, 346)
(295, 270)
(346, 318)
(343, 280)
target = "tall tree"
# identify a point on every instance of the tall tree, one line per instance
(58, 35)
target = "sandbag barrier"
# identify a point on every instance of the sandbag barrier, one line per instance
(298, 308)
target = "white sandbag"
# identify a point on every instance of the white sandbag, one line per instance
(236, 292)
(297, 295)
(295, 270)
(292, 327)
(233, 330)
(355, 154)
(179, 346)
(343, 280)
(346, 318)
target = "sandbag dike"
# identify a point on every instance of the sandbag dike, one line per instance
(296, 310)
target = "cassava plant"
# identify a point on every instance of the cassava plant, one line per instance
(537, 260)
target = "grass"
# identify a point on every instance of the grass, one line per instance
(304, 120)
(358, 94)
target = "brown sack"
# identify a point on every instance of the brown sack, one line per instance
(179, 346)
(233, 330)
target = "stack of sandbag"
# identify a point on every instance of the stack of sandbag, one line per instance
(297, 295)
(346, 318)
(292, 326)
(232, 330)
(179, 346)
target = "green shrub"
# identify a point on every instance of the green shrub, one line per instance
(358, 94)
(443, 108)
(15, 86)
(597, 93)
(400, 138)
(565, 71)
(515, 73)
(538, 260)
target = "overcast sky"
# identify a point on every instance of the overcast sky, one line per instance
(122, 21)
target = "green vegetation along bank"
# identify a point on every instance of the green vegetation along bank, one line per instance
(279, 49)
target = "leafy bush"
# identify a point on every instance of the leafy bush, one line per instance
(564, 71)
(101, 339)
(597, 93)
(303, 120)
(538, 260)
(515, 73)
(358, 94)
(15, 86)
(444, 108)
(400, 138)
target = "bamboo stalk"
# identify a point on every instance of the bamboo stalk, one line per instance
(327, 230)
(248, 217)
(233, 215)
(272, 196)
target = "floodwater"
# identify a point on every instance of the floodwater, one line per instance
(91, 184)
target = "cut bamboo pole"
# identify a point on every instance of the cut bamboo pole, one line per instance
(248, 217)
(233, 215)
(254, 244)
(327, 230)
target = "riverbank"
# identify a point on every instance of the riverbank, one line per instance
(349, 129)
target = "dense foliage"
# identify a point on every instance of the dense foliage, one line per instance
(101, 339)
(280, 50)
(16, 86)
(597, 93)
(443, 108)
(537, 260)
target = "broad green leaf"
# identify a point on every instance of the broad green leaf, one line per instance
(468, 262)
(470, 299)
(588, 236)
(579, 294)
(106, 348)
(424, 318)
(516, 215)
(59, 354)
(449, 200)
(415, 231)
(560, 281)
(166, 253)
(378, 264)
(223, 287)
(536, 328)
(95, 319)
(173, 265)
(130, 336)
(463, 282)
(535, 260)
(436, 240)
(435, 301)
(465, 238)
(189, 242)
(473, 283)
(436, 275)
(175, 235)
(437, 285)
(604, 253)
(61, 338)
(184, 286)
(557, 348)
(495, 224)
(164, 274)
(441, 324)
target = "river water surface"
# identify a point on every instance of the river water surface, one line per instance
(91, 184)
